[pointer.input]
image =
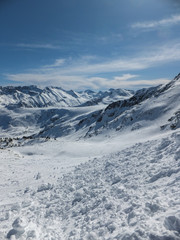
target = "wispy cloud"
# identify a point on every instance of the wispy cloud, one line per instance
(146, 59)
(113, 37)
(127, 81)
(84, 72)
(175, 19)
(58, 63)
(36, 46)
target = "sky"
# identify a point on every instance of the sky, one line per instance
(89, 44)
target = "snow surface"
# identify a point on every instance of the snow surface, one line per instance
(90, 190)
(121, 184)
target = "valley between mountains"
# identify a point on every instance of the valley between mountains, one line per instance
(90, 165)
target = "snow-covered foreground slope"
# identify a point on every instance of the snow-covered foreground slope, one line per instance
(92, 189)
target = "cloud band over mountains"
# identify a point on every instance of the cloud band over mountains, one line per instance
(83, 73)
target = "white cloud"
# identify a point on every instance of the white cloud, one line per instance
(144, 83)
(149, 58)
(66, 81)
(43, 46)
(83, 72)
(82, 82)
(125, 77)
(156, 24)
(113, 37)
(127, 81)
(115, 82)
(58, 63)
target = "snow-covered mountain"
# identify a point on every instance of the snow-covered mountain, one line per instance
(30, 110)
(158, 106)
(152, 106)
(33, 96)
(51, 112)
(106, 97)
(92, 171)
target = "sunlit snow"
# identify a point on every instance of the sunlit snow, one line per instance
(92, 172)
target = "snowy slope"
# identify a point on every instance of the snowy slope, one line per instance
(28, 110)
(129, 194)
(32, 96)
(152, 106)
(106, 97)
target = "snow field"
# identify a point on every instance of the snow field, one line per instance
(131, 194)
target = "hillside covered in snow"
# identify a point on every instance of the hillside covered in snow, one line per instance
(28, 110)
(90, 166)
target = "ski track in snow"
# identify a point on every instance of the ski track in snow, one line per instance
(130, 194)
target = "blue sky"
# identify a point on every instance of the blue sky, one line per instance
(97, 44)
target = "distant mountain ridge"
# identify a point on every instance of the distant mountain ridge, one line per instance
(33, 97)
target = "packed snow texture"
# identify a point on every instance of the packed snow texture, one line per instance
(130, 194)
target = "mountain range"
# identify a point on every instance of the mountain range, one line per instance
(37, 97)
(52, 112)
